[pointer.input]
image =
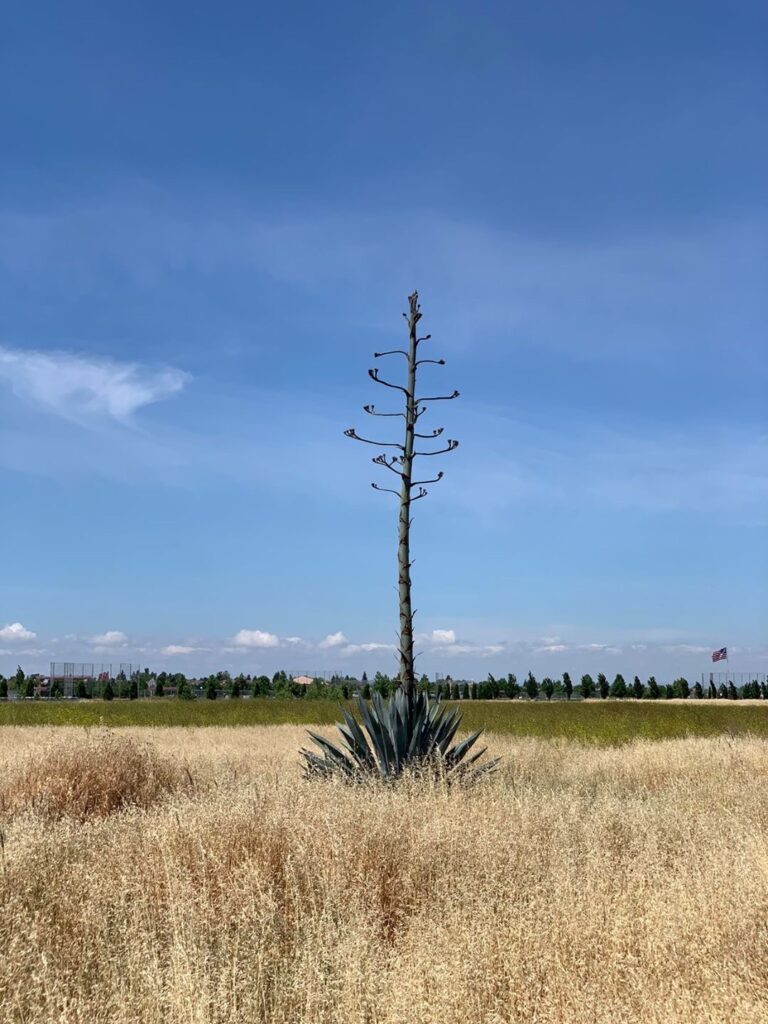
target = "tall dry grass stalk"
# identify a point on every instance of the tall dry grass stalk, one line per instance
(577, 885)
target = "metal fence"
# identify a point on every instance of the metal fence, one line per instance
(81, 678)
(64, 671)
(325, 675)
(737, 678)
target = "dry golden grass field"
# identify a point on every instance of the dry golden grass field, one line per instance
(161, 876)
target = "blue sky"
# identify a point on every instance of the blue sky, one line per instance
(210, 217)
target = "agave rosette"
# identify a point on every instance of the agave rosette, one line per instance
(396, 736)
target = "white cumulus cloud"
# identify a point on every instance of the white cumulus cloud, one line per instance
(173, 649)
(255, 638)
(112, 638)
(15, 631)
(442, 636)
(77, 387)
(333, 640)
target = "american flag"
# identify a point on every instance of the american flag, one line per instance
(721, 655)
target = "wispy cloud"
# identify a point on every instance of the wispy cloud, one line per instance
(82, 388)
(175, 650)
(585, 298)
(721, 471)
(367, 648)
(484, 279)
(475, 650)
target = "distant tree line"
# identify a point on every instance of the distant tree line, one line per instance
(588, 688)
(222, 684)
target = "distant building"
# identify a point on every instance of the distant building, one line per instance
(303, 680)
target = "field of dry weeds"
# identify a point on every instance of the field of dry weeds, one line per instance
(190, 875)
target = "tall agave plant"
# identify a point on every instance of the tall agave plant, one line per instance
(405, 733)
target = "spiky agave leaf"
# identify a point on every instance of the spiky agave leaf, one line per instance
(396, 736)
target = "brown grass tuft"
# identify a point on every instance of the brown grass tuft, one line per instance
(91, 779)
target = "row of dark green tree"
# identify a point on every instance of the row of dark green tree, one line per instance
(601, 688)
(165, 684)
(281, 685)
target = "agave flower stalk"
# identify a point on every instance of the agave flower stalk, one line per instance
(402, 465)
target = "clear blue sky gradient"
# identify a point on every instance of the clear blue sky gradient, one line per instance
(211, 216)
